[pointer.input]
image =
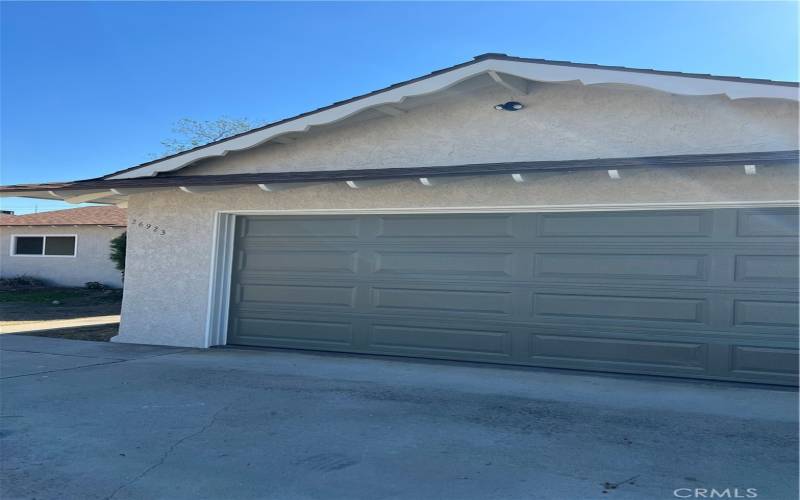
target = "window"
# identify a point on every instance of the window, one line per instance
(48, 246)
(59, 245)
(29, 245)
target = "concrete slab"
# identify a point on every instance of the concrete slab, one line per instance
(280, 424)
(15, 364)
(82, 348)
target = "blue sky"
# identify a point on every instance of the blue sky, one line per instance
(89, 88)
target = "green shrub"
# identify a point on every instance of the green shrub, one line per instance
(95, 285)
(118, 245)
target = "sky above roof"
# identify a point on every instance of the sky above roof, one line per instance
(90, 88)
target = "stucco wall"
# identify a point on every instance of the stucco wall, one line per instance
(91, 262)
(167, 276)
(559, 122)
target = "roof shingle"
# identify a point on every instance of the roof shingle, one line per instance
(85, 216)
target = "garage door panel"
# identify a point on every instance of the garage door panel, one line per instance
(616, 308)
(626, 266)
(294, 227)
(765, 313)
(764, 362)
(293, 332)
(627, 224)
(765, 223)
(467, 342)
(266, 296)
(292, 260)
(590, 351)
(451, 264)
(442, 300)
(780, 270)
(471, 226)
(696, 293)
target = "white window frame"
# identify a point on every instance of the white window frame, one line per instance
(13, 249)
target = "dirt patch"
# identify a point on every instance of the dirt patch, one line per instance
(32, 304)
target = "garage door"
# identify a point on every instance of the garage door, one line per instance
(695, 293)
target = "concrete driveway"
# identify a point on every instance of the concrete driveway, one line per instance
(98, 420)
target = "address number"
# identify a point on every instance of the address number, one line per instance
(149, 227)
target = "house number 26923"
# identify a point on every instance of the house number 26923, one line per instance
(147, 226)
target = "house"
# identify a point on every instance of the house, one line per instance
(63, 247)
(504, 210)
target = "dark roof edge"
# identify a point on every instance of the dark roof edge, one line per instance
(2, 224)
(706, 76)
(476, 59)
(694, 160)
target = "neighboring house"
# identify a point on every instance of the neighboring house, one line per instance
(507, 210)
(64, 247)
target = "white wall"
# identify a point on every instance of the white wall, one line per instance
(559, 122)
(91, 262)
(167, 276)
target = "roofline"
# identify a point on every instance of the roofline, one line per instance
(670, 161)
(62, 225)
(705, 76)
(475, 60)
(104, 216)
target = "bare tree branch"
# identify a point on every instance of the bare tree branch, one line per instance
(192, 133)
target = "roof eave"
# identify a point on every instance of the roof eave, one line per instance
(117, 190)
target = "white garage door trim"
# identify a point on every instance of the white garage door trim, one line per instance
(216, 330)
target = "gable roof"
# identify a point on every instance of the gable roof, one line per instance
(514, 73)
(84, 216)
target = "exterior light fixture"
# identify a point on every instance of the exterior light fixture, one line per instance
(509, 106)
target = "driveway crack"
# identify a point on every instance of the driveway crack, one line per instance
(6, 349)
(9, 377)
(170, 450)
(107, 361)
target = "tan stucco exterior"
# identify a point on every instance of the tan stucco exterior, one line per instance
(91, 262)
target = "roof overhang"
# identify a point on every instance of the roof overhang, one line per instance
(515, 74)
(116, 191)
(110, 226)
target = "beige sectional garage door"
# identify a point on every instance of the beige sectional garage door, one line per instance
(689, 293)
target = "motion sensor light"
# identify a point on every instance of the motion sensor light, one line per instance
(509, 106)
